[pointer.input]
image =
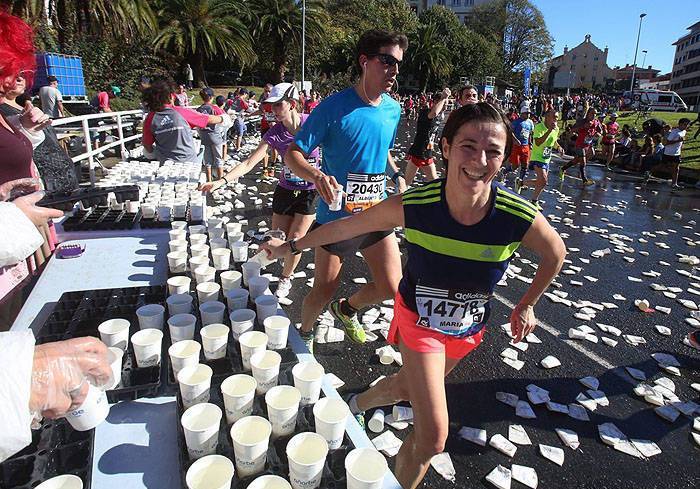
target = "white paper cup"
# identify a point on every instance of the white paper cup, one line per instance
(237, 299)
(198, 239)
(214, 336)
(402, 413)
(183, 354)
(204, 274)
(179, 304)
(179, 285)
(277, 331)
(199, 249)
(238, 392)
(197, 229)
(269, 482)
(132, 206)
(331, 415)
(365, 468)
(181, 327)
(242, 321)
(177, 234)
(115, 332)
(164, 212)
(221, 257)
(198, 261)
(234, 238)
(282, 409)
(148, 210)
(115, 356)
(266, 369)
(307, 378)
(251, 438)
(201, 426)
(216, 233)
(251, 342)
(231, 279)
(266, 306)
(376, 422)
(179, 226)
(306, 453)
(91, 412)
(257, 286)
(178, 245)
(210, 472)
(147, 347)
(67, 481)
(195, 382)
(177, 261)
(214, 223)
(233, 228)
(250, 269)
(212, 312)
(239, 250)
(217, 244)
(151, 316)
(196, 211)
(207, 292)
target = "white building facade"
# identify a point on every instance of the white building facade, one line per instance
(461, 8)
(685, 77)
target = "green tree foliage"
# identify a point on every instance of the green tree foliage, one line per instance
(429, 56)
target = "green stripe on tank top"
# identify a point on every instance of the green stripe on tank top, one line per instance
(519, 200)
(515, 212)
(422, 192)
(426, 200)
(525, 209)
(461, 249)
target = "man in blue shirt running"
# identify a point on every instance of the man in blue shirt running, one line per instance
(356, 129)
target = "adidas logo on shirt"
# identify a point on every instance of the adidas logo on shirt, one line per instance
(487, 253)
(166, 120)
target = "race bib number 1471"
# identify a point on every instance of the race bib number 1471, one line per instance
(451, 312)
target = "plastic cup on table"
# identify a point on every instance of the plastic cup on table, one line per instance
(307, 378)
(250, 269)
(282, 408)
(198, 261)
(91, 412)
(151, 316)
(177, 234)
(266, 306)
(200, 424)
(197, 229)
(208, 291)
(238, 392)
(148, 210)
(277, 331)
(178, 245)
(198, 239)
(179, 225)
(199, 249)
(251, 342)
(179, 285)
(269, 482)
(132, 206)
(214, 223)
(230, 279)
(177, 261)
(242, 321)
(179, 209)
(164, 212)
(183, 354)
(266, 369)
(66, 481)
(221, 257)
(212, 312)
(179, 304)
(235, 238)
(330, 416)
(239, 250)
(376, 422)
(181, 327)
(237, 299)
(365, 468)
(205, 273)
(147, 347)
(216, 233)
(210, 472)
(218, 243)
(115, 332)
(306, 453)
(195, 382)
(257, 286)
(196, 211)
(115, 357)
(233, 228)
(215, 339)
(251, 439)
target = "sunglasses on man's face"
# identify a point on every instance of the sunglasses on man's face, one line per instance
(386, 59)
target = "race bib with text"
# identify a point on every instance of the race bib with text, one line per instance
(364, 190)
(451, 312)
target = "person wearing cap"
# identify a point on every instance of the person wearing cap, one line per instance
(100, 101)
(210, 135)
(268, 120)
(51, 98)
(293, 203)
(610, 131)
(522, 131)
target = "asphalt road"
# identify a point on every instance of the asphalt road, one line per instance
(615, 200)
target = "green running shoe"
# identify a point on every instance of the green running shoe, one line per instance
(308, 339)
(353, 328)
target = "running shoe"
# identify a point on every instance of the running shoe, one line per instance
(694, 339)
(353, 328)
(308, 338)
(676, 187)
(588, 182)
(518, 185)
(284, 286)
(359, 417)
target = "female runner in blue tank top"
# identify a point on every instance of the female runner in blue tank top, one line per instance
(461, 233)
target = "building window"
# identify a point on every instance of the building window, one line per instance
(455, 3)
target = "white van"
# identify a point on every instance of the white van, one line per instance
(662, 100)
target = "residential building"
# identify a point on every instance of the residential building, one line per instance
(661, 82)
(461, 8)
(625, 73)
(585, 66)
(685, 77)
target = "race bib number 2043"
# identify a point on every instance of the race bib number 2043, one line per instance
(451, 312)
(364, 190)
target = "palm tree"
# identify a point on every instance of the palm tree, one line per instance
(278, 24)
(430, 57)
(202, 29)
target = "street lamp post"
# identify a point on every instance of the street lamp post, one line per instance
(634, 66)
(303, 43)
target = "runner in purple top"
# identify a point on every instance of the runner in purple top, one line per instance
(293, 203)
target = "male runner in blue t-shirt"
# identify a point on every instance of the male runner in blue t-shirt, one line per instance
(356, 129)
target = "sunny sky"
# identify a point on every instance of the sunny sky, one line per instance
(614, 23)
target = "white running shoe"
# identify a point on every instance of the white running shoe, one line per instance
(284, 286)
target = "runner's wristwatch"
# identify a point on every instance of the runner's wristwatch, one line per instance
(396, 176)
(293, 247)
